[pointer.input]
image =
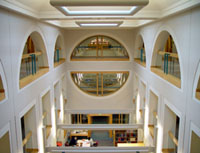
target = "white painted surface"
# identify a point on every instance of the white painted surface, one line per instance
(15, 29)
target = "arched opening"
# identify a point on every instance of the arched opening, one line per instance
(99, 48)
(140, 54)
(59, 52)
(198, 90)
(34, 61)
(165, 59)
(2, 91)
(99, 83)
(2, 84)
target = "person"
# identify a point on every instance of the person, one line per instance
(91, 141)
(73, 141)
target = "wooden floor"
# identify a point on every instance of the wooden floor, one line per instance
(137, 60)
(25, 81)
(172, 79)
(130, 145)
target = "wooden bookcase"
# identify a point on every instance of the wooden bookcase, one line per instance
(125, 136)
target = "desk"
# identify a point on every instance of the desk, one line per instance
(78, 134)
(130, 144)
(84, 143)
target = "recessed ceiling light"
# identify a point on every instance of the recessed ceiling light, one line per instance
(99, 7)
(99, 24)
(101, 11)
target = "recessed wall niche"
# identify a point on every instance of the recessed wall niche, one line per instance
(5, 143)
(140, 54)
(165, 59)
(153, 111)
(170, 131)
(195, 143)
(34, 61)
(59, 55)
(29, 131)
(46, 114)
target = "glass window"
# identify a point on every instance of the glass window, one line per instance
(99, 83)
(99, 48)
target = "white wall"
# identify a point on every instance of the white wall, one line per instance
(14, 31)
(77, 99)
(186, 34)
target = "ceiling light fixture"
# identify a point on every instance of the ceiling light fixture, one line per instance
(99, 24)
(99, 7)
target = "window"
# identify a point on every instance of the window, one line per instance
(99, 48)
(99, 83)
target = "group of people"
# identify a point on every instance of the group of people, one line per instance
(74, 142)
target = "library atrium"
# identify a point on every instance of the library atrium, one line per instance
(100, 76)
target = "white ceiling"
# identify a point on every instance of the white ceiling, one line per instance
(41, 9)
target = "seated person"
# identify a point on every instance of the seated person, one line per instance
(91, 141)
(73, 141)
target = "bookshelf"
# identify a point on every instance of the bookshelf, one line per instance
(125, 136)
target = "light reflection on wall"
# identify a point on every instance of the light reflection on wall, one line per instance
(138, 115)
(40, 137)
(61, 108)
(53, 122)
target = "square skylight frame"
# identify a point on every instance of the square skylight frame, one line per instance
(62, 6)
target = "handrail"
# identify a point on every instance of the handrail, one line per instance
(28, 136)
(58, 111)
(48, 130)
(175, 55)
(155, 114)
(44, 115)
(173, 138)
(151, 130)
(28, 55)
(32, 150)
(101, 149)
(100, 126)
(167, 150)
(134, 101)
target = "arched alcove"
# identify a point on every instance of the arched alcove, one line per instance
(2, 91)
(34, 61)
(99, 48)
(197, 83)
(59, 55)
(165, 59)
(198, 90)
(140, 54)
(2, 84)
